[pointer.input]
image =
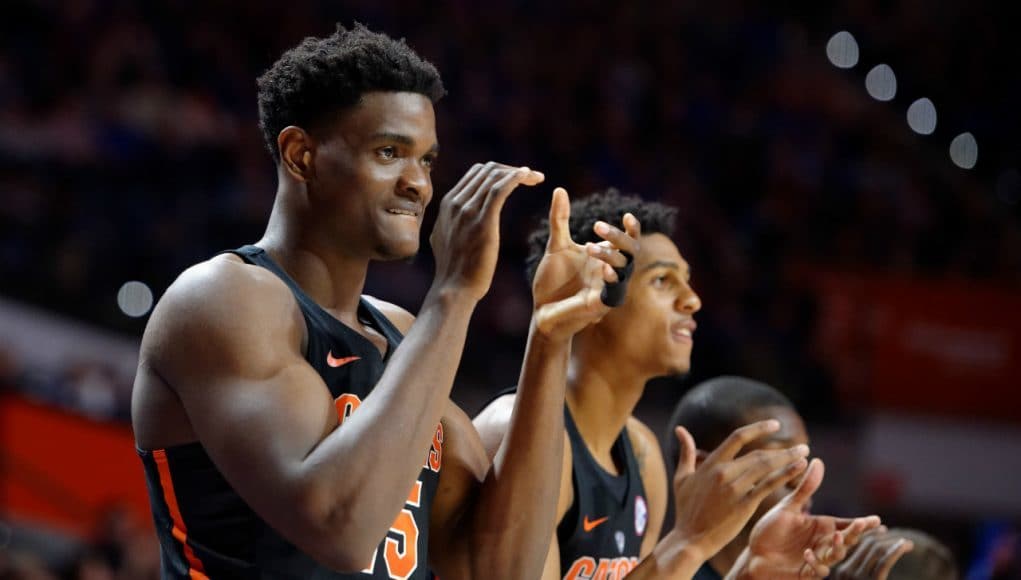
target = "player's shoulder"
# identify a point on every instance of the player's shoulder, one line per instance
(493, 421)
(643, 439)
(220, 296)
(637, 429)
(398, 316)
(225, 278)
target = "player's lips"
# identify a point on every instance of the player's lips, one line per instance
(409, 209)
(683, 330)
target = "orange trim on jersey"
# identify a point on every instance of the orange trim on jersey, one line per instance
(196, 571)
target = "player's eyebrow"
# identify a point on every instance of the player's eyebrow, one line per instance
(662, 264)
(402, 139)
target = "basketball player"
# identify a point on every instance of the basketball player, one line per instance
(291, 427)
(709, 411)
(613, 483)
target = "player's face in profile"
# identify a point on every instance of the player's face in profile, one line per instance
(373, 173)
(655, 325)
(792, 432)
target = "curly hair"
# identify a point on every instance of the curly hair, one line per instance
(322, 76)
(609, 206)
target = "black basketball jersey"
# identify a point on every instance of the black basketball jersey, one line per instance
(601, 534)
(706, 572)
(206, 530)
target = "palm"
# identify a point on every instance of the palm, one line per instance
(569, 279)
(790, 543)
(781, 537)
(564, 272)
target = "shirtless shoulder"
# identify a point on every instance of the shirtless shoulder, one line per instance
(207, 320)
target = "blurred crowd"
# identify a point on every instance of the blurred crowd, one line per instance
(119, 549)
(129, 149)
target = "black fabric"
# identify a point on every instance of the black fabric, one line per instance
(613, 294)
(706, 572)
(225, 536)
(591, 546)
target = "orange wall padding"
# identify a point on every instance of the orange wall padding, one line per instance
(63, 471)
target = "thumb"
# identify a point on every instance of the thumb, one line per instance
(686, 452)
(559, 221)
(808, 486)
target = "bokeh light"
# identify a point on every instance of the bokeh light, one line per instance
(134, 299)
(922, 116)
(842, 50)
(964, 151)
(881, 83)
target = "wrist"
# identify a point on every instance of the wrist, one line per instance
(547, 339)
(678, 557)
(449, 296)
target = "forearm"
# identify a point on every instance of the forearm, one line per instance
(740, 569)
(513, 518)
(672, 558)
(380, 449)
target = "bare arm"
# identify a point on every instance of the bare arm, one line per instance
(715, 500)
(227, 338)
(653, 473)
(517, 503)
(492, 425)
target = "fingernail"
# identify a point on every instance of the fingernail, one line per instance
(772, 424)
(602, 228)
(801, 450)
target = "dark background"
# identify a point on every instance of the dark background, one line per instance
(129, 149)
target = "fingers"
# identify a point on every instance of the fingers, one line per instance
(741, 437)
(484, 184)
(812, 567)
(559, 221)
(606, 252)
(890, 557)
(494, 197)
(777, 479)
(467, 178)
(835, 549)
(632, 226)
(471, 181)
(808, 486)
(686, 452)
(621, 240)
(758, 464)
(585, 305)
(858, 527)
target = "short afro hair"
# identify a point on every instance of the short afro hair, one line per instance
(713, 409)
(609, 206)
(322, 76)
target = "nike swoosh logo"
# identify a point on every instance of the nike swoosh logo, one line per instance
(591, 525)
(339, 362)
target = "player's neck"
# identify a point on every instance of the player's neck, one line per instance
(724, 560)
(334, 280)
(601, 399)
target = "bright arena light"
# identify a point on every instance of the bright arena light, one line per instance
(922, 116)
(842, 50)
(881, 83)
(964, 151)
(134, 299)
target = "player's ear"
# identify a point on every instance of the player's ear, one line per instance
(297, 153)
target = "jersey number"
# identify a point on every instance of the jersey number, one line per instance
(399, 555)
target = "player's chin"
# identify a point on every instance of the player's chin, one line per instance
(402, 249)
(678, 365)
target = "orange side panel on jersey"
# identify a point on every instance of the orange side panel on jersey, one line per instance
(180, 532)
